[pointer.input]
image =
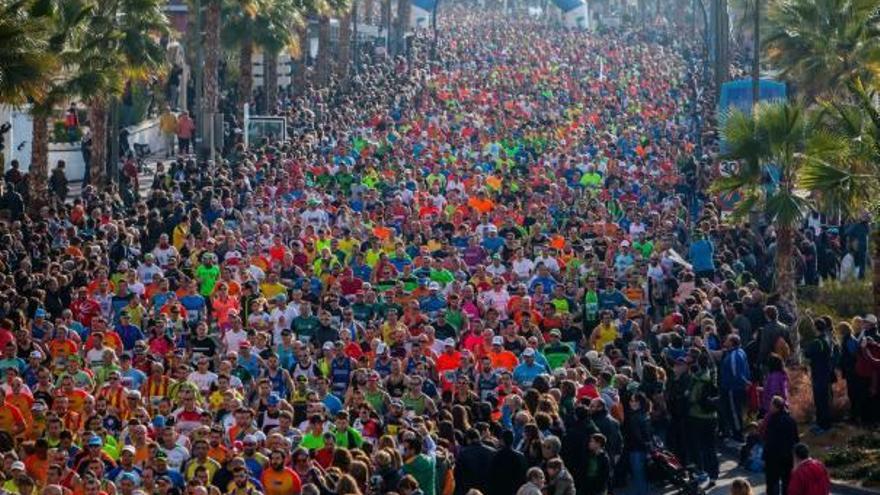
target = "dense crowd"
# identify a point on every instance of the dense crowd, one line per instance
(497, 272)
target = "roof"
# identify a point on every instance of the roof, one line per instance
(425, 4)
(568, 5)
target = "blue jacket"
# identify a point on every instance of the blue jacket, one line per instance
(700, 255)
(734, 370)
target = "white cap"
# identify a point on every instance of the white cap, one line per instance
(328, 346)
(497, 340)
(381, 348)
(624, 243)
(449, 342)
(434, 286)
(17, 465)
(528, 352)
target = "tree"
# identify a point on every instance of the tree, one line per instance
(26, 61)
(778, 136)
(238, 29)
(121, 44)
(823, 46)
(846, 186)
(276, 30)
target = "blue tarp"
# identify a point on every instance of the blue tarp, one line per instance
(568, 5)
(427, 5)
(738, 93)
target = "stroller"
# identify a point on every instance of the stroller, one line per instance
(665, 469)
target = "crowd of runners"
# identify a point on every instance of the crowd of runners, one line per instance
(496, 272)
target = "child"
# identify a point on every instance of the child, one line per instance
(597, 473)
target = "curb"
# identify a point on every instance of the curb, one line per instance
(839, 487)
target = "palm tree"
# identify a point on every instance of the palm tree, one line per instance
(343, 53)
(847, 186)
(211, 79)
(323, 64)
(276, 30)
(778, 136)
(239, 26)
(26, 62)
(824, 45)
(404, 8)
(121, 44)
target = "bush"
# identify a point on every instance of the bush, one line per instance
(866, 441)
(840, 299)
(842, 457)
(60, 134)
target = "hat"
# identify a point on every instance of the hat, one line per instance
(160, 454)
(528, 352)
(159, 421)
(134, 393)
(244, 345)
(249, 439)
(273, 399)
(497, 340)
(624, 244)
(129, 448)
(328, 346)
(17, 465)
(40, 313)
(555, 333)
(434, 286)
(381, 348)
(39, 406)
(450, 342)
(397, 402)
(871, 319)
(95, 442)
(37, 354)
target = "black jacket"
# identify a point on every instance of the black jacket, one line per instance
(471, 466)
(637, 432)
(597, 477)
(507, 472)
(609, 427)
(574, 445)
(780, 438)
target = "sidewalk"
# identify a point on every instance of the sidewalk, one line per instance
(145, 178)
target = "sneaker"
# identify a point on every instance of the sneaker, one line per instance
(701, 478)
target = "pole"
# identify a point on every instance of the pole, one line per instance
(113, 158)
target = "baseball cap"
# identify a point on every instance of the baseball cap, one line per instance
(497, 340)
(450, 342)
(40, 313)
(273, 399)
(17, 465)
(555, 332)
(130, 449)
(381, 348)
(434, 286)
(872, 319)
(159, 421)
(249, 439)
(244, 345)
(328, 346)
(528, 352)
(95, 442)
(37, 354)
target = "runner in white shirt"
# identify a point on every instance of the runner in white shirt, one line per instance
(522, 266)
(496, 298)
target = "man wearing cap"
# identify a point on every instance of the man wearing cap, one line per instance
(528, 369)
(93, 451)
(557, 352)
(126, 466)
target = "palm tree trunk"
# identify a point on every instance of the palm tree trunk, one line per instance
(400, 28)
(323, 62)
(98, 127)
(756, 54)
(385, 25)
(39, 171)
(343, 55)
(785, 283)
(875, 265)
(212, 57)
(299, 67)
(368, 12)
(270, 79)
(245, 72)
